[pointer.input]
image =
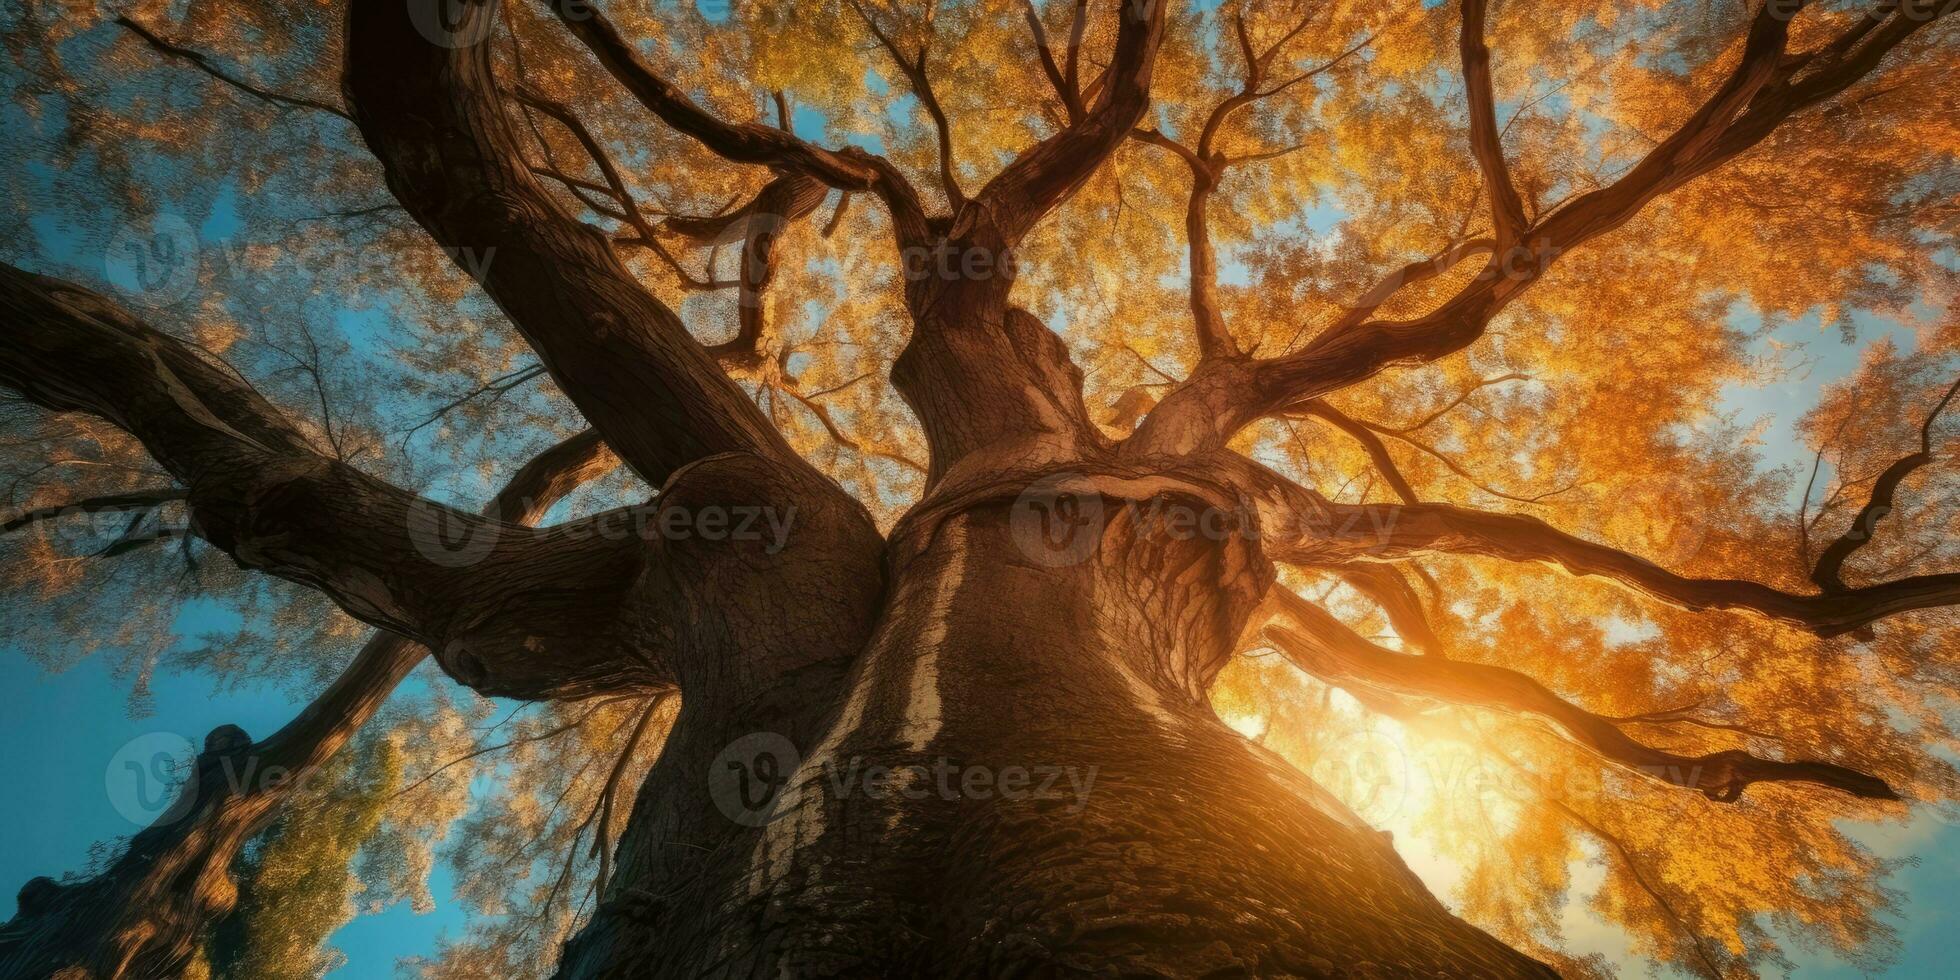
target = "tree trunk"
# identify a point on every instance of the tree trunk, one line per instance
(1021, 775)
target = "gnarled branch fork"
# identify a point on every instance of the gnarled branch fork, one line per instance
(962, 324)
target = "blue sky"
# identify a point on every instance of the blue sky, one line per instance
(63, 733)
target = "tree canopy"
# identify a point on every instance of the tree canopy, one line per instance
(1625, 646)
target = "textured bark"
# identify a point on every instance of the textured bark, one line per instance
(508, 609)
(452, 157)
(1189, 852)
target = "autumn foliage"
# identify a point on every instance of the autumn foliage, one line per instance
(1307, 176)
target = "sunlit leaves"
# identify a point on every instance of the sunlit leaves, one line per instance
(1603, 399)
(298, 884)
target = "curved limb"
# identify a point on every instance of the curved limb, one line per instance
(1307, 528)
(1829, 571)
(852, 170)
(1322, 646)
(432, 114)
(485, 592)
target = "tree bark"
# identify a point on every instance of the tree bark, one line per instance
(978, 747)
(1147, 839)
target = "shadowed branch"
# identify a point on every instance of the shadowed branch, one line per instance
(1829, 572)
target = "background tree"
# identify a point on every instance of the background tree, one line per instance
(1432, 308)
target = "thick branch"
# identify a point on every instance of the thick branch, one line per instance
(1326, 648)
(786, 198)
(432, 115)
(978, 371)
(740, 142)
(1765, 87)
(1392, 532)
(1049, 172)
(260, 491)
(1507, 210)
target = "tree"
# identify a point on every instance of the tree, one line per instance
(959, 672)
(298, 883)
